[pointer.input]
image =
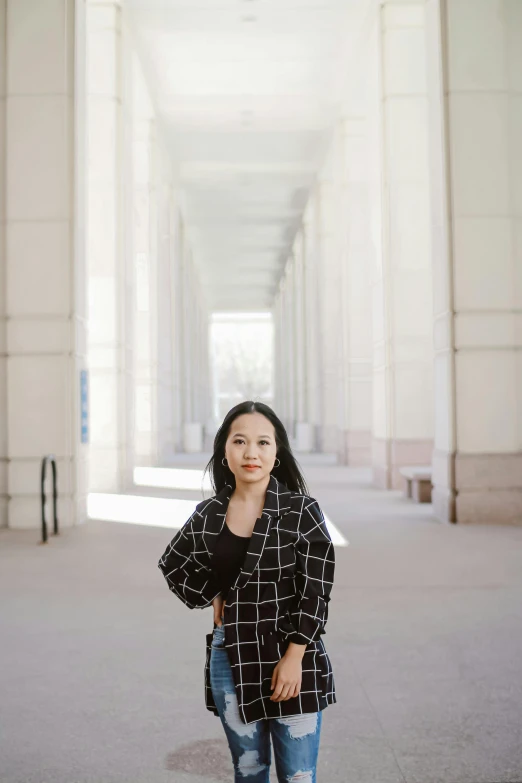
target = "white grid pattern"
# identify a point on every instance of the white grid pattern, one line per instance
(280, 595)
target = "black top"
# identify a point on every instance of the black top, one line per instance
(227, 558)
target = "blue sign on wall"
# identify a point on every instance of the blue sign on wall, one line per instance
(84, 401)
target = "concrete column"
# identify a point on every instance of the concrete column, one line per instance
(284, 349)
(128, 277)
(3, 280)
(165, 388)
(311, 326)
(403, 365)
(177, 239)
(282, 353)
(195, 359)
(200, 353)
(290, 344)
(108, 272)
(188, 337)
(475, 83)
(145, 248)
(303, 428)
(278, 358)
(299, 332)
(205, 387)
(356, 296)
(330, 320)
(46, 280)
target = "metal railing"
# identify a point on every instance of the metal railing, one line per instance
(48, 458)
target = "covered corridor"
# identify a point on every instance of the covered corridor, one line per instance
(347, 173)
(312, 203)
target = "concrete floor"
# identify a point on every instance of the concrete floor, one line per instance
(101, 668)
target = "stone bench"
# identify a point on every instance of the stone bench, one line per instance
(417, 480)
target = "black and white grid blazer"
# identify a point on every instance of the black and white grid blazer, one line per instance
(280, 595)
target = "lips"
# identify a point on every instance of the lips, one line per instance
(251, 467)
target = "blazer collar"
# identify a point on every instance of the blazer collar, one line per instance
(277, 502)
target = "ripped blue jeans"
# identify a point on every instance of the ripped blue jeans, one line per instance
(295, 738)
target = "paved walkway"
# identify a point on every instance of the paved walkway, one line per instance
(101, 667)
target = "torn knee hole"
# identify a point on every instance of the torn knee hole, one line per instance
(301, 777)
(248, 764)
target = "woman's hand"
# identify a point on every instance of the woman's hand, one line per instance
(287, 674)
(219, 605)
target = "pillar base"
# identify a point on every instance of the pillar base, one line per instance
(304, 437)
(478, 488)
(498, 507)
(329, 439)
(443, 502)
(24, 513)
(357, 448)
(192, 437)
(4, 499)
(389, 456)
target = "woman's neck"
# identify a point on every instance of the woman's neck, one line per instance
(250, 494)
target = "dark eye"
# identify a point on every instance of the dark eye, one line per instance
(265, 441)
(238, 440)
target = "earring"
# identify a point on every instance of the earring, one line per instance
(278, 462)
(225, 464)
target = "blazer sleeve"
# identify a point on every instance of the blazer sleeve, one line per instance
(193, 584)
(315, 566)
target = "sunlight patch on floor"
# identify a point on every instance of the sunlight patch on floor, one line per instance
(159, 512)
(139, 510)
(172, 478)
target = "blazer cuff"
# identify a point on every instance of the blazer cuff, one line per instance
(297, 638)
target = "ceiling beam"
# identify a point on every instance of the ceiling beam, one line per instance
(194, 171)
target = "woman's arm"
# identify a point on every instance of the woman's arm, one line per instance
(314, 577)
(315, 567)
(193, 584)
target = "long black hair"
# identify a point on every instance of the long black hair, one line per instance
(287, 472)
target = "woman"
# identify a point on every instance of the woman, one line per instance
(260, 553)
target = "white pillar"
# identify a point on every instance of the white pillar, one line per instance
(177, 324)
(195, 358)
(303, 428)
(165, 388)
(356, 295)
(46, 280)
(299, 331)
(311, 313)
(330, 277)
(278, 353)
(3, 279)
(187, 338)
(290, 343)
(284, 352)
(475, 82)
(403, 367)
(108, 271)
(145, 249)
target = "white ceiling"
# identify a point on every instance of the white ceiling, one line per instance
(248, 91)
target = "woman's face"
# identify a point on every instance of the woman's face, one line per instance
(251, 442)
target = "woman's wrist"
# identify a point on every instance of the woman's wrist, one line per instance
(295, 650)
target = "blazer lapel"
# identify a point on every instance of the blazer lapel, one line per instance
(277, 501)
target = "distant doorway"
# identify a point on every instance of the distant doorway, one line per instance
(242, 359)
